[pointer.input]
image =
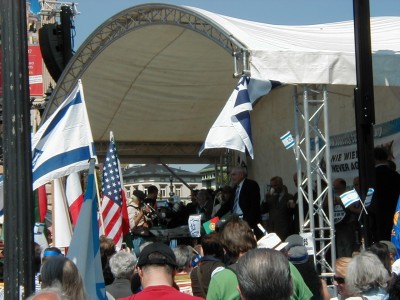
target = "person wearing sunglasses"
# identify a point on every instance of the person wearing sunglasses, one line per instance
(339, 277)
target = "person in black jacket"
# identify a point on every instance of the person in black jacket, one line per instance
(246, 202)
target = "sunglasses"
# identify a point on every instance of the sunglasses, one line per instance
(339, 280)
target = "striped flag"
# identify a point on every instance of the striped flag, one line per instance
(62, 230)
(349, 197)
(112, 207)
(84, 249)
(74, 195)
(232, 129)
(287, 140)
(64, 143)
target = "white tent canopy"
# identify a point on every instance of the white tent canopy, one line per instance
(158, 75)
(315, 54)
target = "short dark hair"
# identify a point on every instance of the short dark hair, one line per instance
(152, 189)
(211, 245)
(264, 274)
(381, 154)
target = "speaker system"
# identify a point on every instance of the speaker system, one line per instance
(56, 43)
(50, 41)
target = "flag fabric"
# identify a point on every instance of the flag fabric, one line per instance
(84, 249)
(396, 229)
(62, 230)
(64, 143)
(232, 129)
(287, 140)
(368, 198)
(210, 225)
(349, 197)
(112, 206)
(42, 202)
(74, 195)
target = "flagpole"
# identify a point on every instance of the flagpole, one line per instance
(99, 203)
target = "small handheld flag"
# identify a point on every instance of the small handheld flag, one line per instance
(349, 198)
(287, 140)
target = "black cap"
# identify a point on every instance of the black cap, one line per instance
(164, 250)
(139, 194)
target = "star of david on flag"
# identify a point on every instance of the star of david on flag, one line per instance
(232, 129)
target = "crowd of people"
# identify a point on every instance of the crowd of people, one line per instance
(240, 259)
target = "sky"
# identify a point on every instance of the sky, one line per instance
(283, 12)
(93, 13)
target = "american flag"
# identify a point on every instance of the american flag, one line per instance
(113, 206)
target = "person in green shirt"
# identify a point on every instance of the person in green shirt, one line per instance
(237, 239)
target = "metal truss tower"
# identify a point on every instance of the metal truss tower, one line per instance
(312, 151)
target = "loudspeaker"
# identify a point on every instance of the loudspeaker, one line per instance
(50, 41)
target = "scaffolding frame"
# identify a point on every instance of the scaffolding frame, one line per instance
(312, 150)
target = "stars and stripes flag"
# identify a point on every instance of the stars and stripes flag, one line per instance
(232, 129)
(113, 207)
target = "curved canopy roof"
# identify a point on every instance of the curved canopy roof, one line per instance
(158, 75)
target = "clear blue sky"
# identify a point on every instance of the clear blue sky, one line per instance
(287, 12)
(290, 12)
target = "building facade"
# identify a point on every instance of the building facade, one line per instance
(140, 177)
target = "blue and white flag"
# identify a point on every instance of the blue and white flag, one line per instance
(287, 140)
(84, 249)
(368, 198)
(349, 197)
(64, 143)
(232, 129)
(396, 229)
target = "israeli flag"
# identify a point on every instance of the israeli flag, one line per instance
(368, 198)
(287, 140)
(84, 249)
(232, 129)
(64, 143)
(349, 197)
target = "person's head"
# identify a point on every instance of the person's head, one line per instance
(51, 293)
(381, 155)
(356, 184)
(122, 264)
(237, 238)
(365, 272)
(193, 196)
(62, 270)
(137, 197)
(238, 174)
(183, 255)
(50, 252)
(156, 265)
(340, 275)
(381, 250)
(339, 186)
(37, 257)
(107, 246)
(212, 246)
(152, 192)
(295, 178)
(276, 183)
(227, 193)
(264, 274)
(392, 250)
(203, 197)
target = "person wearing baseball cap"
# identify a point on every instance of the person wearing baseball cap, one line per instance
(156, 267)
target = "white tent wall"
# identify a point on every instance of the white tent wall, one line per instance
(274, 115)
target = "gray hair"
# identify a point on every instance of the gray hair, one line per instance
(183, 256)
(264, 274)
(54, 290)
(366, 272)
(122, 264)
